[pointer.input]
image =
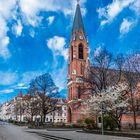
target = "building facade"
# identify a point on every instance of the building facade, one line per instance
(16, 110)
(57, 116)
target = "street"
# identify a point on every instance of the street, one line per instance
(11, 132)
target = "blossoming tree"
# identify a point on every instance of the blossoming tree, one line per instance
(112, 102)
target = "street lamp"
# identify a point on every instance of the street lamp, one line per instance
(102, 118)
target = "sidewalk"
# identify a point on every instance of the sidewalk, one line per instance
(129, 133)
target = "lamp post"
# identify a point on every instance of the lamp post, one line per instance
(102, 118)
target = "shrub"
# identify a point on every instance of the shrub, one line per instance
(109, 123)
(79, 121)
(90, 123)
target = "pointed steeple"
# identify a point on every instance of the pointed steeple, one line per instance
(78, 22)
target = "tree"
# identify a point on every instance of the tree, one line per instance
(32, 107)
(46, 92)
(119, 61)
(100, 74)
(105, 72)
(19, 108)
(112, 101)
(132, 76)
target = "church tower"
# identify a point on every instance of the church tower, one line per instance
(78, 55)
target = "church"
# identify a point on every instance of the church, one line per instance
(78, 58)
(77, 65)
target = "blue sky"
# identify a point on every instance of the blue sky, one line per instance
(34, 37)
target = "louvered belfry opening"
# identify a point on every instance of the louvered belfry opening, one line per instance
(81, 51)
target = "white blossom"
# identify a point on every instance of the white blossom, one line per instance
(109, 100)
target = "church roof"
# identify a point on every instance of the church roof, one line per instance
(78, 22)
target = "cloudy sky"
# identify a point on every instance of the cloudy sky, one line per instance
(34, 37)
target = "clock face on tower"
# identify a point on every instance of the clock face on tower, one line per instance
(73, 71)
(81, 37)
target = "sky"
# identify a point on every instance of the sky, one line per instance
(35, 34)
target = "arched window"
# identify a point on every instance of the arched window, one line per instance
(71, 53)
(81, 51)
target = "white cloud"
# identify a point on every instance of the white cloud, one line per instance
(6, 13)
(126, 26)
(60, 77)
(21, 86)
(57, 45)
(28, 76)
(97, 51)
(11, 79)
(6, 8)
(136, 7)
(5, 91)
(32, 8)
(18, 28)
(4, 40)
(32, 33)
(8, 78)
(108, 13)
(50, 19)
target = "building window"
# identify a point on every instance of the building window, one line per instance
(50, 120)
(81, 51)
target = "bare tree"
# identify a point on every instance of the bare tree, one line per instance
(100, 74)
(32, 107)
(46, 92)
(19, 108)
(132, 76)
(119, 61)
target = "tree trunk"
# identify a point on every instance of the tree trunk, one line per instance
(31, 118)
(41, 118)
(134, 119)
(133, 110)
(119, 125)
(44, 117)
(20, 118)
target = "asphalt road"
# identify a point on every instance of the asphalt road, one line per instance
(11, 132)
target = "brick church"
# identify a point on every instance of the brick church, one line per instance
(78, 63)
(78, 58)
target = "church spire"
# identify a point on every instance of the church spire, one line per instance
(78, 22)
